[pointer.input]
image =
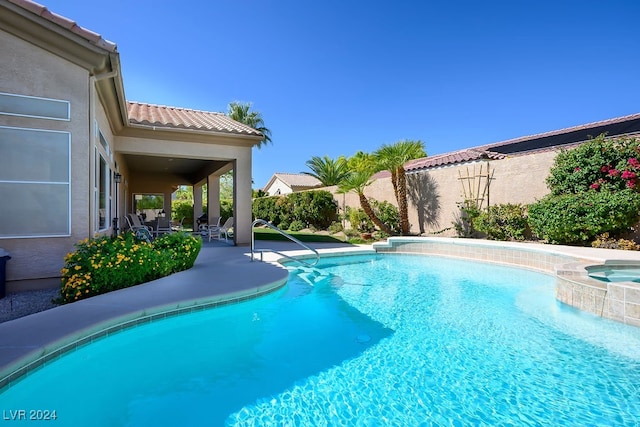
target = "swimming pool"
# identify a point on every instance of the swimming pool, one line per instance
(374, 340)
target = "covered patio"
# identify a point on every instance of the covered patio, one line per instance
(163, 148)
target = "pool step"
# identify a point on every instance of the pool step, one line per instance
(311, 275)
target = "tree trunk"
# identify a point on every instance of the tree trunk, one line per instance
(366, 207)
(403, 208)
(394, 181)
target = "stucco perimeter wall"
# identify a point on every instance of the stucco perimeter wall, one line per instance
(32, 71)
(618, 301)
(434, 194)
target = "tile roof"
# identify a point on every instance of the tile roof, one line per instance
(40, 10)
(461, 156)
(298, 179)
(185, 118)
(626, 125)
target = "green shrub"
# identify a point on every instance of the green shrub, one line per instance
(182, 210)
(387, 213)
(351, 232)
(284, 225)
(579, 218)
(599, 164)
(182, 249)
(265, 208)
(105, 264)
(359, 220)
(465, 220)
(226, 208)
(335, 227)
(605, 242)
(503, 222)
(315, 209)
(297, 225)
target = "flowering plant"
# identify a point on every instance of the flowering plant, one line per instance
(599, 164)
(594, 190)
(105, 264)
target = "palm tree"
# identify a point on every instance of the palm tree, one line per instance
(362, 168)
(328, 171)
(239, 112)
(392, 158)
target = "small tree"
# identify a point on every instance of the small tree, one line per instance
(362, 168)
(593, 191)
(392, 158)
(328, 171)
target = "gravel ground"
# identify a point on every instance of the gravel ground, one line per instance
(20, 304)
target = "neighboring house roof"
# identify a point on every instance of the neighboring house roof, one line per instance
(185, 118)
(67, 23)
(295, 180)
(626, 125)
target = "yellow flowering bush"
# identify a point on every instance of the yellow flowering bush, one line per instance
(105, 264)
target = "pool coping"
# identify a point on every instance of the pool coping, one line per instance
(222, 274)
(29, 342)
(619, 301)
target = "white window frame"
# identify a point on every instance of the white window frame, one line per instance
(67, 233)
(102, 150)
(35, 99)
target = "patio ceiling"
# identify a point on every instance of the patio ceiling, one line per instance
(191, 171)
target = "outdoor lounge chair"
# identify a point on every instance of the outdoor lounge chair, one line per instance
(141, 231)
(224, 229)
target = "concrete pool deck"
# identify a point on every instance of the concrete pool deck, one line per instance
(222, 274)
(225, 274)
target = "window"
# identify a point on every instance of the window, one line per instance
(35, 178)
(104, 187)
(148, 206)
(103, 177)
(31, 106)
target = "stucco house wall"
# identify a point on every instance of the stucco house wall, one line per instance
(278, 188)
(515, 179)
(28, 69)
(48, 56)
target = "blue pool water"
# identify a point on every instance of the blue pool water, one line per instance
(381, 340)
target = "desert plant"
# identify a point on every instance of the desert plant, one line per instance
(503, 222)
(464, 223)
(605, 242)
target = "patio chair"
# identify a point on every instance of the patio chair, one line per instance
(178, 225)
(226, 228)
(214, 227)
(142, 232)
(163, 225)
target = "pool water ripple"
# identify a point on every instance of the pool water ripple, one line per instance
(468, 350)
(387, 340)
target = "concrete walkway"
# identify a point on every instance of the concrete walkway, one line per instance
(222, 274)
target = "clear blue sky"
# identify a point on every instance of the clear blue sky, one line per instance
(333, 77)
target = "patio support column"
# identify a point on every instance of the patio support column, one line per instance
(197, 204)
(213, 197)
(167, 205)
(242, 198)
